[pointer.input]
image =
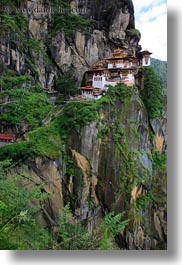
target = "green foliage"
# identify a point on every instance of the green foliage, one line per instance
(71, 236)
(16, 151)
(45, 141)
(70, 22)
(15, 3)
(75, 115)
(32, 44)
(24, 106)
(66, 84)
(121, 91)
(15, 26)
(159, 183)
(142, 201)
(134, 32)
(160, 67)
(159, 161)
(19, 206)
(10, 81)
(152, 94)
(110, 227)
(103, 132)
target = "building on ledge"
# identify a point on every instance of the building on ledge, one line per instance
(145, 58)
(7, 139)
(121, 67)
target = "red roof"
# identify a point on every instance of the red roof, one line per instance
(7, 136)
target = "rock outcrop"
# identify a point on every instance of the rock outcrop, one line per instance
(53, 54)
(107, 165)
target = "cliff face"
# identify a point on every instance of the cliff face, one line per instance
(51, 53)
(109, 163)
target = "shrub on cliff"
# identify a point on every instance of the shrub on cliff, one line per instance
(19, 207)
(66, 84)
(73, 236)
(68, 21)
(20, 105)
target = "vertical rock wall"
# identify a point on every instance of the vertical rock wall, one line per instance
(81, 50)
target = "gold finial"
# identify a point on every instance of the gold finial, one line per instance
(120, 53)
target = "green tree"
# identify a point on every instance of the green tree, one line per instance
(20, 204)
(71, 236)
(12, 81)
(26, 106)
(66, 84)
(152, 95)
(68, 21)
(19, 207)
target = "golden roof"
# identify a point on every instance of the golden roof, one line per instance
(119, 53)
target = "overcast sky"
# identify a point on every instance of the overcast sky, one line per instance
(151, 20)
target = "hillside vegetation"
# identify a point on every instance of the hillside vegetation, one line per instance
(160, 67)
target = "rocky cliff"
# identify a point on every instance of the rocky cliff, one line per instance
(105, 157)
(112, 163)
(29, 46)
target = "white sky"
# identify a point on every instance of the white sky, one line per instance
(151, 21)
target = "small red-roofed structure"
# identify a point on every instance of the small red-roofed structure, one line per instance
(7, 138)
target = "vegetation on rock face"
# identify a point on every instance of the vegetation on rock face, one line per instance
(24, 106)
(134, 33)
(20, 205)
(48, 140)
(49, 127)
(9, 80)
(14, 23)
(66, 84)
(159, 185)
(152, 95)
(72, 236)
(22, 102)
(69, 21)
(75, 115)
(16, 152)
